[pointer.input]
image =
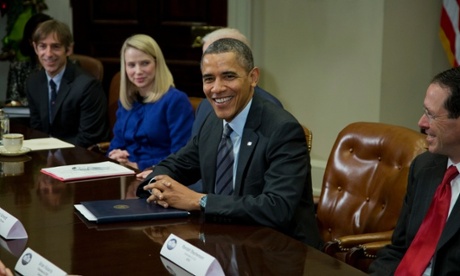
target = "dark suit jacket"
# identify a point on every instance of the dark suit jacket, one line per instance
(273, 180)
(80, 116)
(426, 173)
(205, 108)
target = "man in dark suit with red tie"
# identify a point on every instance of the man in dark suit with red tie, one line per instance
(426, 240)
(270, 177)
(64, 101)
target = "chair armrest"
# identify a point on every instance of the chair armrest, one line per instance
(102, 147)
(315, 202)
(345, 243)
(362, 256)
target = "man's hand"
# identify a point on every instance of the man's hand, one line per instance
(4, 271)
(169, 193)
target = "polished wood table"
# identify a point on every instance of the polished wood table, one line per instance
(56, 230)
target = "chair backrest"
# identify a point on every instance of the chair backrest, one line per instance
(195, 101)
(365, 179)
(90, 64)
(114, 95)
(308, 137)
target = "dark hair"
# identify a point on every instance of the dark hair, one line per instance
(450, 79)
(61, 30)
(25, 46)
(225, 45)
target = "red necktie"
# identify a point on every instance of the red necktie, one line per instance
(422, 248)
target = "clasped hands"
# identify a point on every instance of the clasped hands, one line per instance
(121, 156)
(169, 193)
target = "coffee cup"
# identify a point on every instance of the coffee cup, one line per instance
(12, 142)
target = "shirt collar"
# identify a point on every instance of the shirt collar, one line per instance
(237, 124)
(57, 79)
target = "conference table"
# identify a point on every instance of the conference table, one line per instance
(57, 231)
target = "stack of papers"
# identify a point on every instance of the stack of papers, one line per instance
(87, 171)
(46, 143)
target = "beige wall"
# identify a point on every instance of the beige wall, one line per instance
(333, 62)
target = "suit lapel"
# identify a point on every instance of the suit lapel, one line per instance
(452, 225)
(248, 141)
(433, 177)
(209, 139)
(42, 91)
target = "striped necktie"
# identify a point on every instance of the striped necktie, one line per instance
(224, 172)
(53, 98)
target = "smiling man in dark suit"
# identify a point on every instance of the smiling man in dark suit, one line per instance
(64, 101)
(425, 241)
(271, 178)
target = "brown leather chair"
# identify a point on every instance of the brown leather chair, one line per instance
(195, 101)
(114, 95)
(308, 137)
(363, 187)
(90, 64)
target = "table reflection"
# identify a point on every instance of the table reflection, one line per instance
(13, 165)
(235, 250)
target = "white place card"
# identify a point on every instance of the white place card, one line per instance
(189, 257)
(32, 263)
(11, 227)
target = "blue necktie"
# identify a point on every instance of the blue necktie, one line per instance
(224, 172)
(53, 98)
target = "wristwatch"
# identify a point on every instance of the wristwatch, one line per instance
(202, 202)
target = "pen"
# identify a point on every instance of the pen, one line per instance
(89, 168)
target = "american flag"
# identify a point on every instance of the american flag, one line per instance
(449, 31)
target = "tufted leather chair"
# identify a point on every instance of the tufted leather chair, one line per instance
(363, 187)
(90, 64)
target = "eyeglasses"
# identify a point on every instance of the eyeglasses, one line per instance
(432, 117)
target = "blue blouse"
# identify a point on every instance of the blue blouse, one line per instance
(152, 131)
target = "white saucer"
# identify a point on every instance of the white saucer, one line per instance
(22, 151)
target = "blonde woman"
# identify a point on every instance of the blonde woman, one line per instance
(154, 119)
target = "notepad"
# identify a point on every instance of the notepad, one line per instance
(87, 171)
(119, 210)
(46, 143)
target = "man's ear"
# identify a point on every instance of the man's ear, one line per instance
(69, 50)
(254, 75)
(35, 47)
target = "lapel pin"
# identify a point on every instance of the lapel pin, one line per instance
(249, 143)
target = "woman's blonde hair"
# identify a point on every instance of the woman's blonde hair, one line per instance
(163, 78)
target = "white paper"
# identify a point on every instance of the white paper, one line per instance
(85, 212)
(189, 257)
(46, 143)
(11, 227)
(32, 263)
(86, 171)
